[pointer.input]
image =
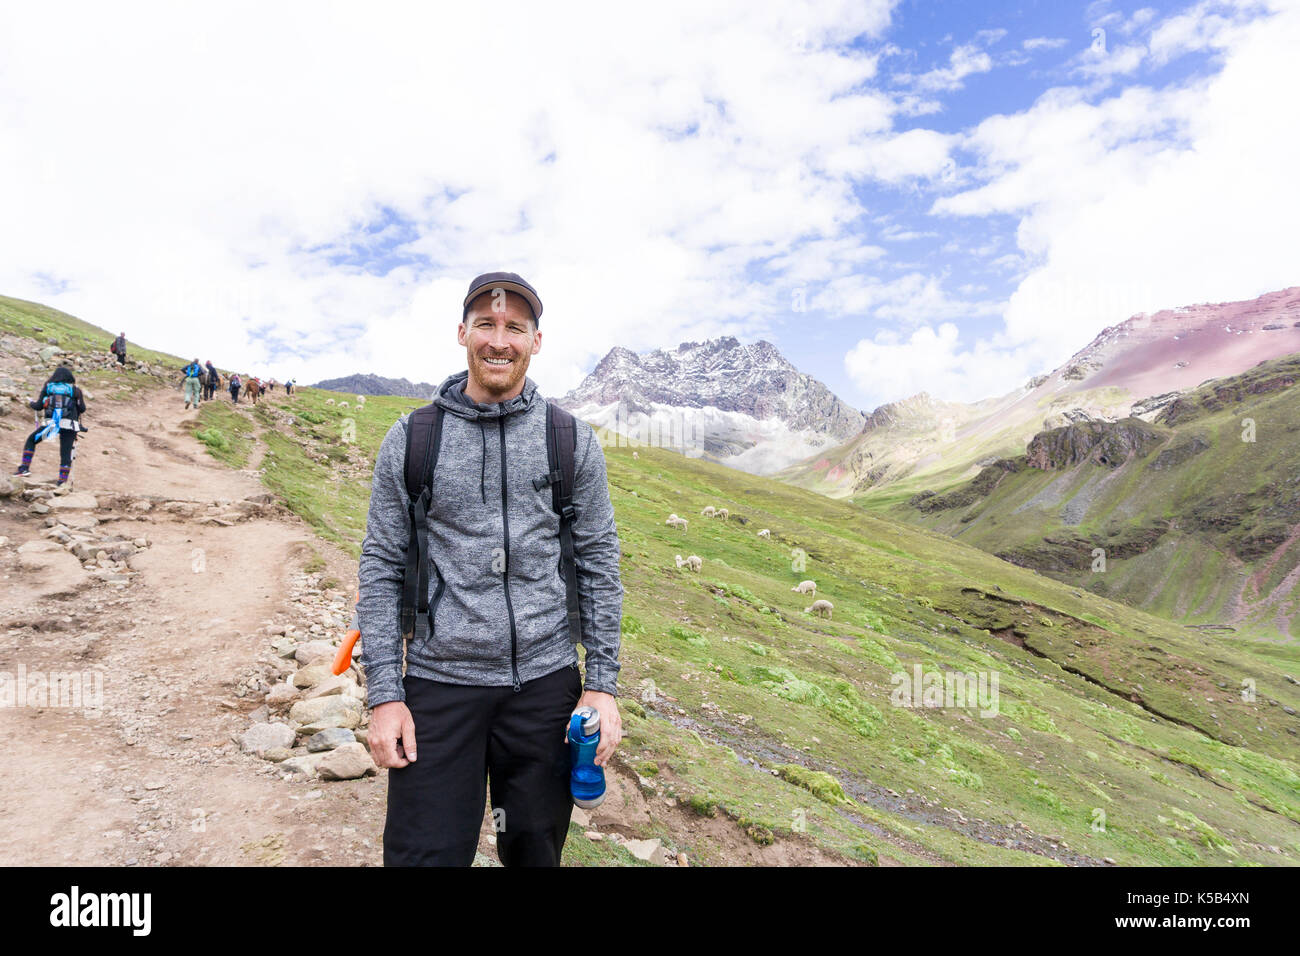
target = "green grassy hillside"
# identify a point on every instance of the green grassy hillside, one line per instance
(1116, 734)
(1198, 514)
(1104, 733)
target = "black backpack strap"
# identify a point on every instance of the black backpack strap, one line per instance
(423, 435)
(561, 442)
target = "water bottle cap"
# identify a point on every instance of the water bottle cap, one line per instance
(590, 719)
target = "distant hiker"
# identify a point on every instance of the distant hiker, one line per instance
(288, 387)
(492, 665)
(61, 405)
(211, 381)
(234, 387)
(118, 348)
(270, 386)
(192, 388)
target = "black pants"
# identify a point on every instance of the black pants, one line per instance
(465, 735)
(67, 438)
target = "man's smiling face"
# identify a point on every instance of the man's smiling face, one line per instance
(500, 339)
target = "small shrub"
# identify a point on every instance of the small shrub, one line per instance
(703, 804)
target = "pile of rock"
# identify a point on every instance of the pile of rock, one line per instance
(71, 527)
(311, 721)
(222, 512)
(41, 358)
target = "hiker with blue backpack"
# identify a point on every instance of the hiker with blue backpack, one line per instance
(192, 372)
(60, 404)
(490, 553)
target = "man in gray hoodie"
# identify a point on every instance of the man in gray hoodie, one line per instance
(491, 673)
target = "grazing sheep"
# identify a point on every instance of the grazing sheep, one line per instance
(723, 513)
(329, 401)
(361, 399)
(676, 522)
(635, 456)
(765, 533)
(343, 404)
(821, 607)
(708, 511)
(694, 562)
(805, 587)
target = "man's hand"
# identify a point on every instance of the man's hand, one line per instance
(392, 735)
(611, 725)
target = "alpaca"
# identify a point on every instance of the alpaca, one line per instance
(820, 607)
(765, 533)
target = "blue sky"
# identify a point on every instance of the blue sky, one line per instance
(901, 195)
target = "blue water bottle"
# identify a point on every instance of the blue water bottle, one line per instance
(586, 780)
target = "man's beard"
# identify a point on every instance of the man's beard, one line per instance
(487, 375)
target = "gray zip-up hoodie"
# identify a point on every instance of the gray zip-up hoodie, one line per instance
(496, 591)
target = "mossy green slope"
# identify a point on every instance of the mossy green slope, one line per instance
(1201, 526)
(1111, 725)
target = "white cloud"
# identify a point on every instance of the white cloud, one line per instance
(964, 61)
(909, 300)
(1044, 43)
(183, 171)
(889, 367)
(1150, 198)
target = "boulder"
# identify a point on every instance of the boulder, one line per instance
(330, 739)
(262, 737)
(348, 762)
(332, 685)
(77, 500)
(314, 652)
(304, 763)
(311, 676)
(322, 713)
(281, 695)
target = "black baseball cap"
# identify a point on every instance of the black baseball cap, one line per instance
(511, 282)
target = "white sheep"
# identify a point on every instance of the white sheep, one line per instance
(361, 400)
(821, 607)
(765, 533)
(708, 511)
(635, 456)
(329, 401)
(694, 562)
(723, 513)
(805, 587)
(343, 404)
(676, 522)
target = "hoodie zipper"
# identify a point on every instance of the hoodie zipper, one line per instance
(505, 571)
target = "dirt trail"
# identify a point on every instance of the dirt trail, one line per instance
(154, 778)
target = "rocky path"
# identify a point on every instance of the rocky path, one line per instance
(165, 634)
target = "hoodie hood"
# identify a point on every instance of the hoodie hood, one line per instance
(451, 397)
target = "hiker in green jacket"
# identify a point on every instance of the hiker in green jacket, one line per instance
(192, 373)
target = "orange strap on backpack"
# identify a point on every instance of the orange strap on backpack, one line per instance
(343, 659)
